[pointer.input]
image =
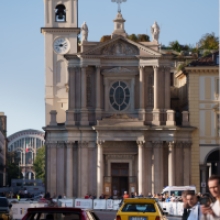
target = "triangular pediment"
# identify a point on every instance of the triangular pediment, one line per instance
(121, 46)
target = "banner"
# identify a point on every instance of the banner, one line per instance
(116, 204)
(83, 203)
(109, 204)
(20, 209)
(99, 204)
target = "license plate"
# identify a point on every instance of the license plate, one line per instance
(137, 218)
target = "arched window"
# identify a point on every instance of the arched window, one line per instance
(60, 13)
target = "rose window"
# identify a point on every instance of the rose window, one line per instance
(119, 96)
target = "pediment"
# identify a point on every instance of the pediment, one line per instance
(120, 70)
(121, 46)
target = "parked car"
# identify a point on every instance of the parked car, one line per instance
(58, 213)
(4, 209)
(140, 209)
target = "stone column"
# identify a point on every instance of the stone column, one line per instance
(167, 88)
(83, 180)
(158, 166)
(69, 170)
(170, 118)
(70, 86)
(187, 163)
(140, 166)
(52, 168)
(203, 177)
(100, 166)
(148, 164)
(53, 118)
(141, 93)
(179, 169)
(171, 168)
(156, 111)
(60, 165)
(84, 111)
(156, 88)
(98, 95)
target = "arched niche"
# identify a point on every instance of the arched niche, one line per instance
(60, 13)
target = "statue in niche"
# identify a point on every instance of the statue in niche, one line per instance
(155, 31)
(84, 32)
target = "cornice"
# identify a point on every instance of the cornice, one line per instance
(202, 69)
(54, 29)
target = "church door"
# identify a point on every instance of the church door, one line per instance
(120, 174)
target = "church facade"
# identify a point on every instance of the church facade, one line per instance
(109, 123)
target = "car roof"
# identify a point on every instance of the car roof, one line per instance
(140, 200)
(54, 209)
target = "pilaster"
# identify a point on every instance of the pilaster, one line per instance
(100, 166)
(171, 164)
(83, 180)
(141, 111)
(98, 95)
(60, 167)
(140, 166)
(167, 88)
(158, 166)
(69, 169)
(84, 110)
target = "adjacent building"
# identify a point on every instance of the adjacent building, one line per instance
(3, 148)
(26, 143)
(111, 120)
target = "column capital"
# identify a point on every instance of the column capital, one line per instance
(98, 67)
(141, 67)
(60, 144)
(140, 143)
(83, 144)
(157, 143)
(155, 67)
(69, 144)
(187, 144)
(83, 67)
(100, 142)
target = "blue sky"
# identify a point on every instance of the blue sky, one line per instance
(22, 45)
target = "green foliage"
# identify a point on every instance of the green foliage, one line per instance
(175, 45)
(39, 164)
(12, 166)
(139, 38)
(209, 42)
(105, 38)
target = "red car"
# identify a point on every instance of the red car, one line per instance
(58, 213)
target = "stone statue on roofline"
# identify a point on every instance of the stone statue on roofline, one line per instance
(155, 31)
(84, 32)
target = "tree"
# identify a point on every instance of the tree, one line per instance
(39, 164)
(139, 38)
(105, 38)
(12, 166)
(209, 42)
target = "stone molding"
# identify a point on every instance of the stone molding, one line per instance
(157, 144)
(61, 144)
(100, 143)
(119, 156)
(58, 29)
(140, 143)
(203, 70)
(83, 144)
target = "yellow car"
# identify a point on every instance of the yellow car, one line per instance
(140, 209)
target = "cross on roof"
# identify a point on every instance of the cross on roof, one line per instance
(119, 3)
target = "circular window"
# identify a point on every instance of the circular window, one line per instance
(119, 96)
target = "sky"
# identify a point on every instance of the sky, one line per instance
(22, 44)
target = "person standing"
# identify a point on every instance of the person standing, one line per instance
(212, 212)
(192, 201)
(125, 196)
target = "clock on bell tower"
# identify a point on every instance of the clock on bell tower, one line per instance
(60, 33)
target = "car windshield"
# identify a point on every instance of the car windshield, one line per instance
(54, 216)
(3, 202)
(138, 207)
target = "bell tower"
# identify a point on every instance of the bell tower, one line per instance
(60, 33)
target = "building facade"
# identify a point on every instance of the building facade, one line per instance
(109, 123)
(26, 143)
(203, 95)
(3, 148)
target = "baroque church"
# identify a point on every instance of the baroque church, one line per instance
(110, 119)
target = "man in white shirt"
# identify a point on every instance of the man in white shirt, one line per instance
(193, 203)
(213, 212)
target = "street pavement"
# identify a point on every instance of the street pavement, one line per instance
(110, 215)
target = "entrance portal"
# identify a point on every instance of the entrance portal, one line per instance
(119, 173)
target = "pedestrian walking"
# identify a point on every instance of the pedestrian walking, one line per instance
(212, 211)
